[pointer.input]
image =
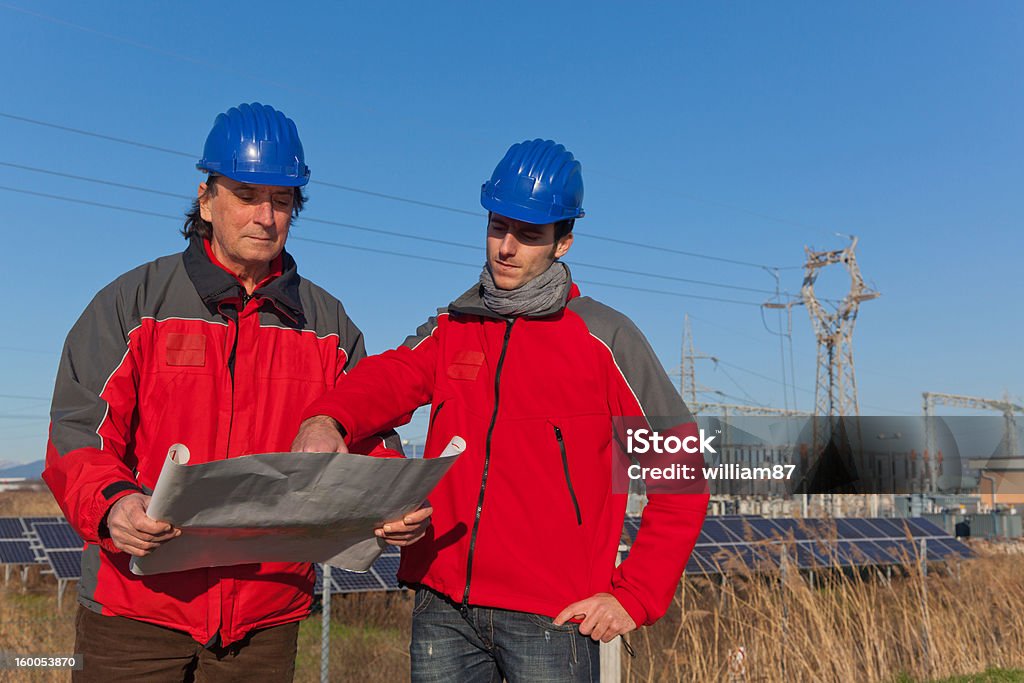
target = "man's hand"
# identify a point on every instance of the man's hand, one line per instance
(319, 434)
(407, 530)
(134, 532)
(603, 616)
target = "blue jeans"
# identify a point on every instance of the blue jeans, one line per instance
(485, 645)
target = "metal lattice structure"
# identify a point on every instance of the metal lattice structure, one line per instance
(1004, 406)
(836, 382)
(688, 387)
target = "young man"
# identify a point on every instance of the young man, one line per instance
(217, 348)
(527, 522)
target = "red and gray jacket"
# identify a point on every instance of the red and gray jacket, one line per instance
(526, 519)
(175, 351)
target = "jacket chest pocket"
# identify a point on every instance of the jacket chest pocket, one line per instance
(185, 350)
(466, 365)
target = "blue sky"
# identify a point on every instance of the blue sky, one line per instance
(744, 131)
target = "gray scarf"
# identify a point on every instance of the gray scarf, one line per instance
(539, 295)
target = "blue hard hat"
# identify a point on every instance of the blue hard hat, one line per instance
(538, 181)
(255, 143)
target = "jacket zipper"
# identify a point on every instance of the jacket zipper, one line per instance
(231, 368)
(568, 478)
(487, 463)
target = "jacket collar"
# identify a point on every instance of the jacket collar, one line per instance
(471, 302)
(216, 286)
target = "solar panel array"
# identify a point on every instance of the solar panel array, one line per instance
(758, 543)
(46, 541)
(725, 544)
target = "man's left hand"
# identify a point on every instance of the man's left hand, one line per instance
(603, 616)
(408, 530)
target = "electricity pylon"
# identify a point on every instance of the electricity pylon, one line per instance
(835, 391)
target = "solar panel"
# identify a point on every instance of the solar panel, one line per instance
(29, 521)
(923, 528)
(11, 527)
(894, 551)
(16, 552)
(318, 581)
(855, 528)
(718, 533)
(756, 543)
(766, 529)
(631, 526)
(67, 564)
(889, 528)
(58, 536)
(386, 567)
(791, 527)
(354, 582)
(807, 554)
(941, 549)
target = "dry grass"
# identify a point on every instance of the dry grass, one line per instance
(28, 504)
(862, 626)
(960, 620)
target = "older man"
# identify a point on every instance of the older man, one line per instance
(517, 577)
(218, 348)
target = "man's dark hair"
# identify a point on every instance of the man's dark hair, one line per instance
(563, 228)
(197, 226)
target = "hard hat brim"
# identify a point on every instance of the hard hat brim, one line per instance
(273, 179)
(523, 213)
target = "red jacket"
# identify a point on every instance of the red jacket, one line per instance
(526, 519)
(174, 352)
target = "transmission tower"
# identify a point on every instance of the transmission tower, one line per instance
(835, 390)
(689, 388)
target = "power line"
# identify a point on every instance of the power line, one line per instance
(91, 134)
(385, 252)
(372, 193)
(681, 252)
(674, 278)
(381, 231)
(396, 198)
(88, 203)
(806, 391)
(99, 181)
(208, 65)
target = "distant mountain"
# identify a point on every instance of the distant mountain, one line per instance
(29, 470)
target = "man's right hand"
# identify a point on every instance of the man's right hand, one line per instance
(319, 434)
(132, 531)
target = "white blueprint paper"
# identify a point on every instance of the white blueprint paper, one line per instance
(285, 507)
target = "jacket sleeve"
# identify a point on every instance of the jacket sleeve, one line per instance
(383, 391)
(91, 415)
(646, 581)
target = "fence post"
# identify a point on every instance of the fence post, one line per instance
(611, 653)
(325, 626)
